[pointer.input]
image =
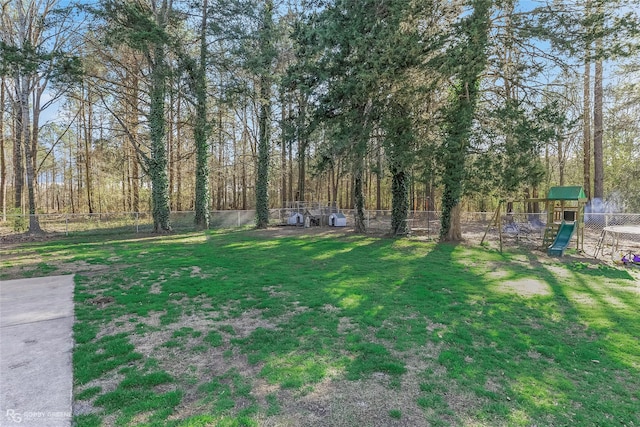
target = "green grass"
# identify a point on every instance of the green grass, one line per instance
(395, 413)
(474, 336)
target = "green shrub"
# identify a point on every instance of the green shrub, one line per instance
(20, 223)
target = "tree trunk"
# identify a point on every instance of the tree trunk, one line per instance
(71, 196)
(220, 178)
(561, 162)
(158, 161)
(379, 178)
(131, 122)
(460, 116)
(243, 178)
(302, 151)
(234, 188)
(358, 196)
(18, 162)
(262, 179)
(178, 157)
(29, 156)
(174, 116)
(202, 199)
(3, 165)
(598, 95)
(586, 114)
(135, 179)
(87, 119)
(302, 156)
(586, 132)
(290, 196)
(124, 182)
(400, 202)
(283, 152)
(454, 233)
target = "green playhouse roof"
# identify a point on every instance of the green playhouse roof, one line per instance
(567, 193)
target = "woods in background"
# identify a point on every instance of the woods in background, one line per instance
(163, 105)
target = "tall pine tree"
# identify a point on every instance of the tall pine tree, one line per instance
(467, 60)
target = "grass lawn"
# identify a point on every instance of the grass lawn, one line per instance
(260, 329)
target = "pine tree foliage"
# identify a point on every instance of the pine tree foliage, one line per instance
(146, 27)
(373, 103)
(364, 56)
(467, 59)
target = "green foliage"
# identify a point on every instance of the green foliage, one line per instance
(93, 359)
(274, 407)
(147, 30)
(372, 358)
(570, 29)
(362, 84)
(214, 339)
(87, 420)
(511, 160)
(24, 58)
(466, 61)
(133, 24)
(20, 222)
(400, 147)
(88, 393)
(395, 413)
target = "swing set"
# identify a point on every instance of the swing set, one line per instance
(565, 218)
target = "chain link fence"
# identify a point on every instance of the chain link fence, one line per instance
(124, 222)
(519, 227)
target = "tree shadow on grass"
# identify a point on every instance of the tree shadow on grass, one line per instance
(528, 358)
(364, 305)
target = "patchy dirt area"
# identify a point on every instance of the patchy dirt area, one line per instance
(334, 401)
(16, 264)
(525, 287)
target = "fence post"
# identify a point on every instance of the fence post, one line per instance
(137, 224)
(66, 225)
(238, 218)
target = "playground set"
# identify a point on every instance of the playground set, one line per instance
(565, 211)
(565, 218)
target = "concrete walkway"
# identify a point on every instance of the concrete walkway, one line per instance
(36, 376)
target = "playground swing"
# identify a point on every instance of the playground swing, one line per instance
(565, 218)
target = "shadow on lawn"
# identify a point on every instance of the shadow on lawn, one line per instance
(83, 254)
(548, 363)
(363, 304)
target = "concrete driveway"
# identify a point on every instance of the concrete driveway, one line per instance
(36, 376)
